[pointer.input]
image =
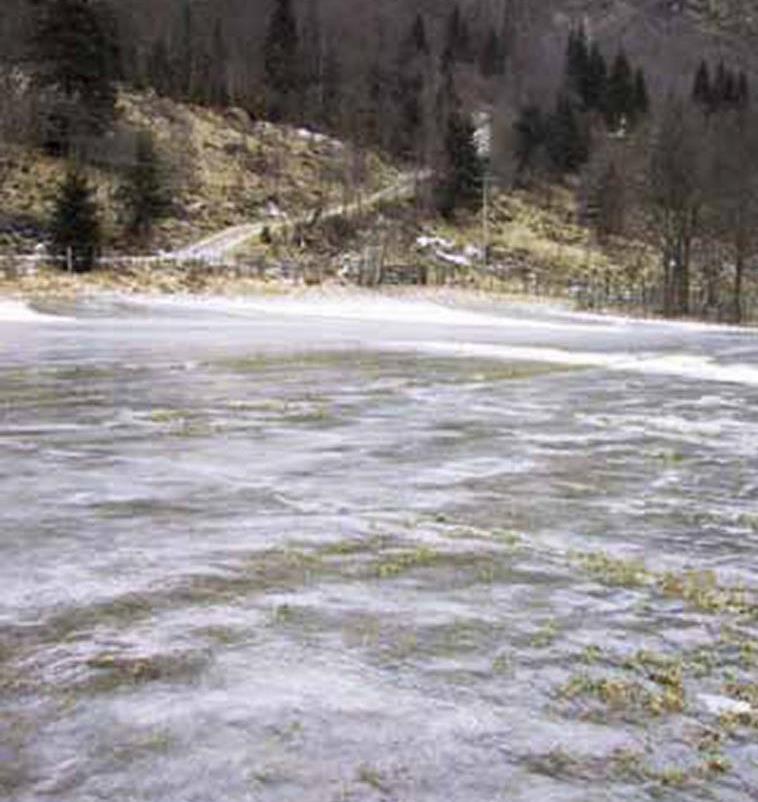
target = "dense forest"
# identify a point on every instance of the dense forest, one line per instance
(633, 105)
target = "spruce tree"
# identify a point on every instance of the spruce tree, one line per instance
(461, 184)
(280, 56)
(641, 96)
(417, 38)
(218, 90)
(701, 91)
(409, 115)
(720, 83)
(729, 90)
(620, 102)
(312, 60)
(331, 82)
(492, 60)
(567, 140)
(187, 55)
(729, 98)
(531, 133)
(446, 99)
(145, 193)
(595, 82)
(376, 102)
(75, 53)
(457, 47)
(160, 69)
(743, 91)
(577, 63)
(408, 89)
(74, 228)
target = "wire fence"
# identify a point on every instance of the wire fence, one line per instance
(370, 270)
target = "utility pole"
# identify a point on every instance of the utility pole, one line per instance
(485, 218)
(483, 138)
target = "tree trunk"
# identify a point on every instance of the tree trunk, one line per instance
(740, 250)
(739, 269)
(668, 282)
(683, 300)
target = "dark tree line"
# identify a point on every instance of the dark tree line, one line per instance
(405, 78)
(703, 190)
(719, 90)
(403, 98)
(617, 91)
(286, 60)
(682, 178)
(74, 46)
(592, 96)
(686, 185)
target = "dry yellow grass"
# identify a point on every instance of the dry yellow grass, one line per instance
(225, 170)
(539, 228)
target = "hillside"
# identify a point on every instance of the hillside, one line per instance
(228, 170)
(597, 139)
(223, 168)
(671, 35)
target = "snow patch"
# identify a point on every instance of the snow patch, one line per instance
(723, 705)
(457, 259)
(434, 242)
(372, 308)
(680, 365)
(20, 312)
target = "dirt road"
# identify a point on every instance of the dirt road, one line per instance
(224, 243)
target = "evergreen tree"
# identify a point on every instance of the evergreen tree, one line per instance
(531, 133)
(567, 139)
(376, 102)
(720, 87)
(74, 229)
(312, 42)
(409, 115)
(159, 68)
(464, 173)
(75, 51)
(331, 80)
(320, 77)
(743, 91)
(446, 99)
(417, 39)
(457, 47)
(280, 55)
(729, 99)
(145, 193)
(620, 103)
(641, 96)
(186, 60)
(701, 91)
(218, 88)
(577, 63)
(595, 81)
(728, 91)
(410, 74)
(492, 59)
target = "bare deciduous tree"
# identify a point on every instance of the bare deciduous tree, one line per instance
(676, 184)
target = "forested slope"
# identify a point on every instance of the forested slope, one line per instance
(639, 110)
